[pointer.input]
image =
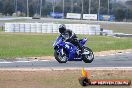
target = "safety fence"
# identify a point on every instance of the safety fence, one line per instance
(51, 28)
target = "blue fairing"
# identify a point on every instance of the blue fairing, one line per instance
(70, 49)
(83, 41)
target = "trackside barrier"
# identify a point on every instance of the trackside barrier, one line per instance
(51, 28)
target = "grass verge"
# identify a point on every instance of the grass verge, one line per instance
(118, 28)
(58, 79)
(29, 45)
(1, 29)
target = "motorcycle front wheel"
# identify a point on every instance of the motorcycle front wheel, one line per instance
(59, 58)
(87, 55)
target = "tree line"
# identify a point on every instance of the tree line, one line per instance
(119, 10)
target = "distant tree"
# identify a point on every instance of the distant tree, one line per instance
(31, 10)
(120, 10)
(119, 14)
(34, 7)
(94, 6)
(1, 6)
(129, 3)
(104, 7)
(46, 9)
(8, 7)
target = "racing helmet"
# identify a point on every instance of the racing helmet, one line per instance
(62, 28)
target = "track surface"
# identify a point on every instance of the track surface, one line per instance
(119, 60)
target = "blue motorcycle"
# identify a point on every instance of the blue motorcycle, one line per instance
(66, 51)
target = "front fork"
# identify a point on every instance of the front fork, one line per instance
(61, 51)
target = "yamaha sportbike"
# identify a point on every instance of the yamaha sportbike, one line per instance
(66, 51)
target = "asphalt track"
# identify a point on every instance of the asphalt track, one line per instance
(118, 60)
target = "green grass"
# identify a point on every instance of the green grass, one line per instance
(28, 45)
(25, 45)
(1, 29)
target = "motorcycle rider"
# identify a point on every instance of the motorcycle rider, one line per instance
(69, 36)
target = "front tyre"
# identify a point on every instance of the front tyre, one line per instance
(59, 58)
(87, 55)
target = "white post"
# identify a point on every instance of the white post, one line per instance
(108, 7)
(40, 8)
(53, 4)
(82, 10)
(63, 7)
(27, 9)
(71, 6)
(99, 10)
(89, 6)
(16, 6)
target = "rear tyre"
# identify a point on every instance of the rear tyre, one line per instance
(88, 55)
(59, 58)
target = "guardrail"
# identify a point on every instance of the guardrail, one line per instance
(52, 28)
